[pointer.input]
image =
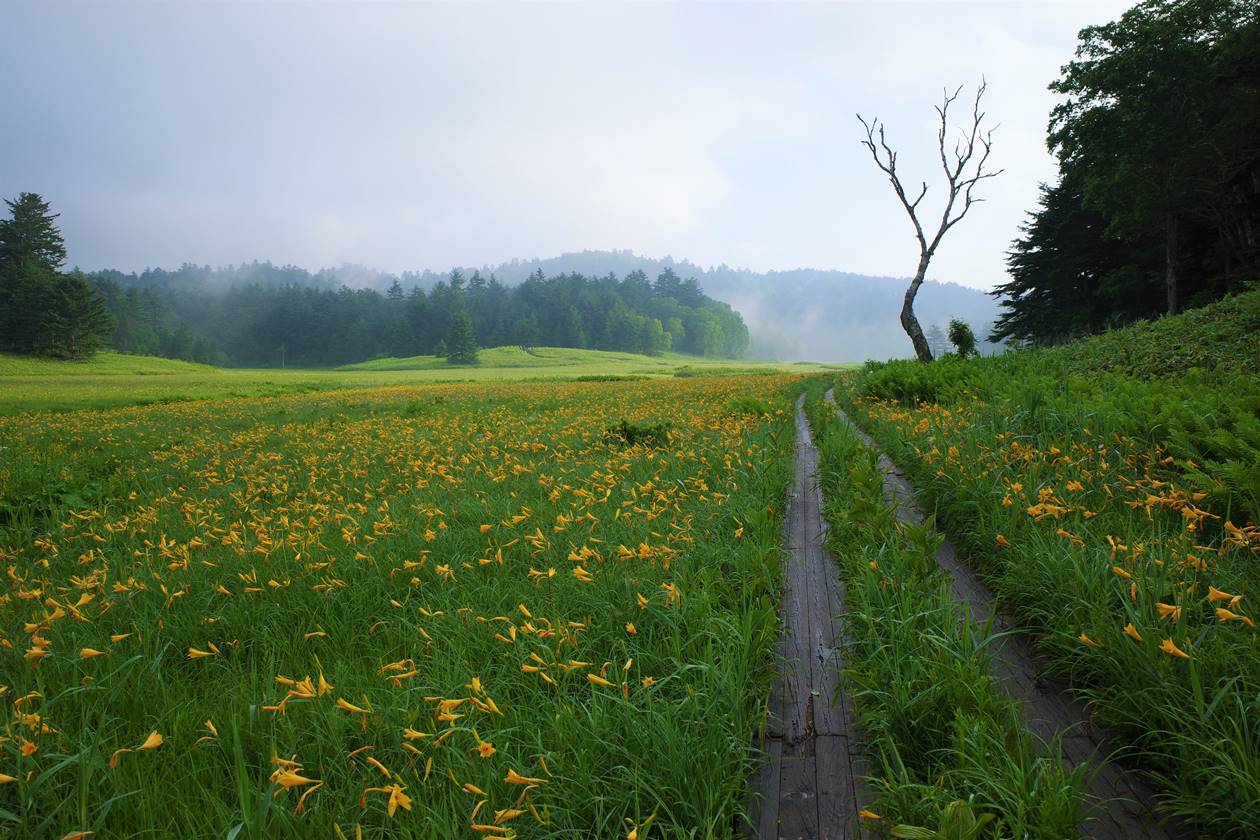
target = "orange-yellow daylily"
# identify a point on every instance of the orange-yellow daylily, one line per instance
(1225, 615)
(1132, 633)
(514, 778)
(1168, 611)
(1215, 594)
(342, 703)
(152, 742)
(1171, 649)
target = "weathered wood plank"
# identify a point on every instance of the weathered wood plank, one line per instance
(837, 806)
(798, 793)
(805, 786)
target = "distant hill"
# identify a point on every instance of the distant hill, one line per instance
(804, 313)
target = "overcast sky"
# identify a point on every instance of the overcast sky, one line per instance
(408, 136)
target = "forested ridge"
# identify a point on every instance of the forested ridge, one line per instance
(264, 315)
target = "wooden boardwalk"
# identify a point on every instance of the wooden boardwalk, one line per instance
(809, 787)
(1124, 806)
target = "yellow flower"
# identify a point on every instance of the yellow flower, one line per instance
(1131, 632)
(1171, 649)
(1215, 594)
(514, 778)
(868, 814)
(88, 653)
(350, 707)
(630, 628)
(1168, 611)
(1225, 615)
(598, 680)
(289, 779)
(1087, 640)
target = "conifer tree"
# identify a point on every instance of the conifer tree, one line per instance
(461, 344)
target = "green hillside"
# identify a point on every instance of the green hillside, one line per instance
(1221, 337)
(102, 364)
(514, 357)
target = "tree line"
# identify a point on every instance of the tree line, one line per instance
(285, 316)
(1157, 205)
(265, 315)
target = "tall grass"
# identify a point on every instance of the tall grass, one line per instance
(1115, 516)
(948, 751)
(601, 613)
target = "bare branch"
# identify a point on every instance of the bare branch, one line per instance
(963, 167)
(888, 163)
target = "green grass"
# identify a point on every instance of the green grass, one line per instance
(1221, 337)
(410, 544)
(102, 364)
(1121, 499)
(114, 380)
(946, 747)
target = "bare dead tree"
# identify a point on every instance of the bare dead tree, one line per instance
(963, 170)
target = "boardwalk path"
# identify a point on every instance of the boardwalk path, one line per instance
(809, 786)
(1127, 804)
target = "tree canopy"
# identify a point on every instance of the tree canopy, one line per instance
(1158, 202)
(42, 311)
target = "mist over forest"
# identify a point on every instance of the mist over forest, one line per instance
(800, 314)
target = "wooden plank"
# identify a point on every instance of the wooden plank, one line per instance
(828, 719)
(798, 793)
(837, 807)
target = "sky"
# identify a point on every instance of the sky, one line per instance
(404, 136)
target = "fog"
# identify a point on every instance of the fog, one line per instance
(400, 136)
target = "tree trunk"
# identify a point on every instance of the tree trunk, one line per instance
(908, 321)
(1170, 264)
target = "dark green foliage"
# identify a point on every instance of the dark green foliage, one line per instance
(1158, 203)
(626, 433)
(259, 315)
(30, 235)
(461, 345)
(43, 311)
(77, 324)
(963, 339)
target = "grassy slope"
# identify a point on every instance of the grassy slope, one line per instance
(102, 364)
(34, 385)
(1092, 483)
(514, 357)
(1224, 336)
